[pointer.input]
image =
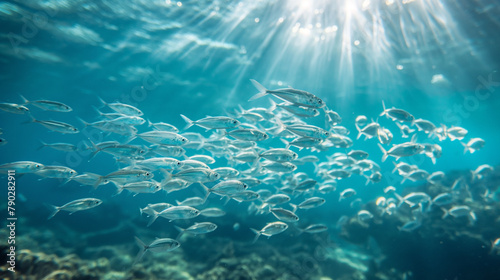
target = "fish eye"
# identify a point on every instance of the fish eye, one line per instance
(245, 186)
(320, 101)
(179, 163)
(147, 173)
(37, 165)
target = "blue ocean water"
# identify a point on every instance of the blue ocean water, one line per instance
(436, 59)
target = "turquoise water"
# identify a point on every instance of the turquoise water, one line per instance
(437, 60)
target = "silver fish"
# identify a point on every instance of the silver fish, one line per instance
(397, 114)
(48, 105)
(212, 122)
(157, 246)
(57, 126)
(212, 212)
(76, 205)
(13, 108)
(295, 96)
(284, 215)
(197, 228)
(270, 230)
(21, 167)
(122, 108)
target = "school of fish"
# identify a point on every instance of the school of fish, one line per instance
(262, 152)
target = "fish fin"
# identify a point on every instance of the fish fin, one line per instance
(119, 190)
(294, 207)
(143, 248)
(178, 202)
(103, 103)
(446, 213)
(273, 106)
(42, 145)
(181, 232)
(189, 122)
(400, 199)
(207, 190)
(414, 138)
(153, 218)
(285, 142)
(466, 147)
(262, 90)
(257, 234)
(55, 210)
(25, 101)
(32, 120)
(384, 157)
(433, 159)
(383, 106)
(98, 182)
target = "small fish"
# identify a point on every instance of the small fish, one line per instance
(456, 133)
(178, 212)
(413, 198)
(309, 203)
(203, 158)
(157, 246)
(87, 179)
(150, 209)
(191, 201)
(301, 111)
(270, 230)
(364, 215)
(125, 176)
(196, 175)
(56, 126)
(279, 155)
(245, 196)
(305, 130)
(276, 199)
(315, 228)
(140, 187)
(473, 145)
(282, 167)
(346, 194)
(13, 108)
(163, 126)
(76, 205)
(226, 172)
(384, 135)
(481, 171)
(65, 147)
(212, 122)
(197, 228)
(424, 125)
(397, 114)
(173, 185)
(247, 134)
(226, 188)
(163, 138)
(402, 150)
(410, 226)
(358, 154)
(460, 211)
(122, 108)
(21, 167)
(295, 96)
(48, 105)
(54, 171)
(212, 212)
(369, 131)
(284, 215)
(443, 199)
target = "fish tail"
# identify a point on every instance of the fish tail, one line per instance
(400, 199)
(273, 106)
(446, 213)
(262, 90)
(143, 250)
(32, 120)
(119, 190)
(103, 103)
(97, 110)
(153, 218)
(42, 145)
(189, 122)
(98, 182)
(55, 210)
(384, 157)
(207, 190)
(466, 147)
(257, 234)
(25, 101)
(383, 106)
(294, 206)
(84, 122)
(181, 232)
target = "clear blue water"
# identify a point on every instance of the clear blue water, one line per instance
(436, 59)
